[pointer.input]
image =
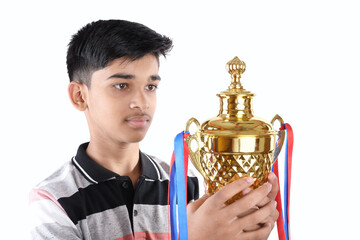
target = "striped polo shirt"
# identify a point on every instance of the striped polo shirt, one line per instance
(83, 200)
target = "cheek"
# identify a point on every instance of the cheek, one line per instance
(106, 108)
(153, 104)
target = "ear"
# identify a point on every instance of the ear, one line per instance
(77, 94)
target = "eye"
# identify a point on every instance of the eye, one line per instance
(151, 87)
(121, 86)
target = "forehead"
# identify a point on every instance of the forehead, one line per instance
(147, 61)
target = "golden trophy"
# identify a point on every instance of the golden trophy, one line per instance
(235, 143)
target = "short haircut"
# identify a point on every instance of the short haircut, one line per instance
(98, 43)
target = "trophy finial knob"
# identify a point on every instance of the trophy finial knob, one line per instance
(235, 67)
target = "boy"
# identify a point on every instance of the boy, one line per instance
(112, 190)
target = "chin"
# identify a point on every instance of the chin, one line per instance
(135, 140)
(135, 137)
(129, 135)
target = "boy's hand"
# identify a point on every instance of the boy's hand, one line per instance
(209, 218)
(272, 179)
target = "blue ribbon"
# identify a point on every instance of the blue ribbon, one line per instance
(178, 191)
(172, 202)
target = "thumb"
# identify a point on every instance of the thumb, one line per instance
(193, 206)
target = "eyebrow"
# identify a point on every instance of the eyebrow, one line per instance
(130, 76)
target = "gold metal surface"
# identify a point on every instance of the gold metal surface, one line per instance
(235, 143)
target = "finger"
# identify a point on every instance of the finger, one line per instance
(250, 200)
(193, 206)
(272, 223)
(273, 180)
(230, 190)
(275, 214)
(271, 220)
(256, 217)
(260, 234)
(251, 210)
(246, 191)
(253, 227)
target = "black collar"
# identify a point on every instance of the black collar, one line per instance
(95, 173)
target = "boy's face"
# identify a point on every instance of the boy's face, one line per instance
(122, 99)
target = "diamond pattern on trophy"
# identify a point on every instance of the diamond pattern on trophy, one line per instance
(222, 168)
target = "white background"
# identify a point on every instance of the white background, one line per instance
(302, 62)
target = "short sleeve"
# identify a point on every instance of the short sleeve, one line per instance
(48, 220)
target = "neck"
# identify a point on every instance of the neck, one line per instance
(121, 158)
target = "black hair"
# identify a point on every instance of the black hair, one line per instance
(98, 43)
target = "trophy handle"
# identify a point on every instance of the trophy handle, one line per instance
(281, 137)
(194, 155)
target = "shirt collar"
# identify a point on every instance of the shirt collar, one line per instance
(95, 173)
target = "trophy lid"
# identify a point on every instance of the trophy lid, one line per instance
(236, 116)
(235, 68)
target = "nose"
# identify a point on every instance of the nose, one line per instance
(140, 101)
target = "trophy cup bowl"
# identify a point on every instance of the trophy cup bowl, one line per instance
(235, 143)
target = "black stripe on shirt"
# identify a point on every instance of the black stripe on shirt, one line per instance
(95, 198)
(111, 194)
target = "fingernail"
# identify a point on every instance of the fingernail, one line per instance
(249, 179)
(269, 186)
(246, 191)
(271, 176)
(274, 202)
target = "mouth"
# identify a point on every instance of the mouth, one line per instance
(138, 121)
